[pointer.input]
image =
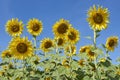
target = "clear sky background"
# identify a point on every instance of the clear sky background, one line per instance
(50, 11)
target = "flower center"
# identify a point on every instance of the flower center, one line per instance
(21, 47)
(60, 41)
(48, 45)
(62, 28)
(98, 18)
(72, 36)
(91, 54)
(15, 28)
(35, 27)
(111, 43)
(81, 62)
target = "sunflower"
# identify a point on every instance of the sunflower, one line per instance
(14, 27)
(48, 78)
(46, 45)
(34, 27)
(37, 60)
(5, 67)
(2, 73)
(21, 48)
(61, 27)
(70, 50)
(102, 60)
(117, 72)
(73, 36)
(60, 41)
(81, 62)
(91, 55)
(84, 48)
(65, 63)
(111, 43)
(98, 18)
(6, 53)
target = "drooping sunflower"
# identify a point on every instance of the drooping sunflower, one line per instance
(70, 50)
(46, 45)
(34, 27)
(61, 27)
(14, 27)
(111, 43)
(73, 36)
(98, 17)
(6, 53)
(21, 48)
(84, 49)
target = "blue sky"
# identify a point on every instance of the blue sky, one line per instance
(49, 11)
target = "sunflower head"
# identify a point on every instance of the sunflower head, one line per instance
(117, 72)
(111, 43)
(2, 73)
(37, 60)
(73, 36)
(48, 78)
(65, 63)
(61, 27)
(14, 27)
(70, 50)
(21, 48)
(102, 60)
(91, 55)
(84, 49)
(81, 62)
(5, 67)
(98, 18)
(60, 41)
(46, 45)
(6, 53)
(34, 27)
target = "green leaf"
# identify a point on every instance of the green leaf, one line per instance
(92, 64)
(103, 46)
(118, 59)
(107, 63)
(87, 78)
(89, 37)
(97, 35)
(80, 73)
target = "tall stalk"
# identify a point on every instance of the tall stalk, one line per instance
(70, 62)
(35, 43)
(56, 50)
(95, 61)
(94, 40)
(24, 66)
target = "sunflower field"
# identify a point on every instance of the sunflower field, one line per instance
(54, 58)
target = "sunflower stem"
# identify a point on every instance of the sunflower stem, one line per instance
(24, 69)
(95, 61)
(107, 54)
(56, 50)
(70, 63)
(94, 41)
(35, 43)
